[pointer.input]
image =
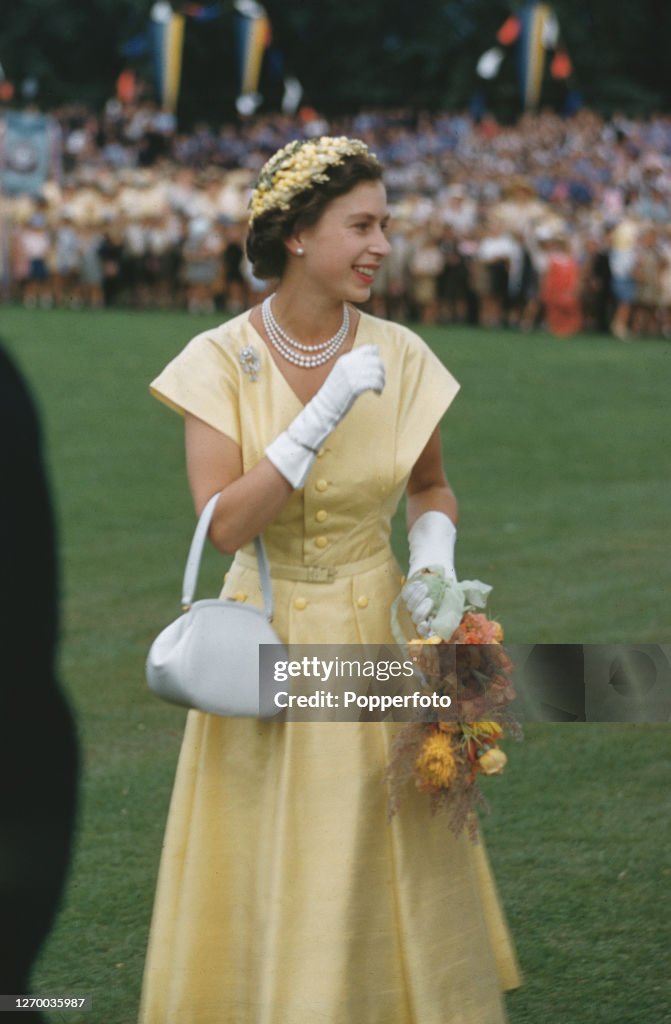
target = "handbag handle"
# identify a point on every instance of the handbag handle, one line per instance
(196, 553)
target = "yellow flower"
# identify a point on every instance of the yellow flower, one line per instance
(492, 762)
(436, 763)
(491, 730)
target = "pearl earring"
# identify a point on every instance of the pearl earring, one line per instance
(300, 250)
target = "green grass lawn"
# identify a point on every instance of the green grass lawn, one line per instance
(559, 454)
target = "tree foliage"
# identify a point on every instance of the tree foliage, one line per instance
(346, 55)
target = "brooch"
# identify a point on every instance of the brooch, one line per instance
(250, 362)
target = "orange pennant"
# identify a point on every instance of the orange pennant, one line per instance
(509, 31)
(561, 66)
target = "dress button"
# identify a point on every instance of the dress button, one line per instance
(321, 515)
(240, 596)
(321, 484)
(362, 601)
(300, 604)
(321, 542)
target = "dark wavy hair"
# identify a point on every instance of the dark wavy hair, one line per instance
(265, 240)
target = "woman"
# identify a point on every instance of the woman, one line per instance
(560, 289)
(284, 894)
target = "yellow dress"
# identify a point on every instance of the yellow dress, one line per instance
(284, 894)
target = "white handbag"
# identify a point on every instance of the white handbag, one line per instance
(208, 658)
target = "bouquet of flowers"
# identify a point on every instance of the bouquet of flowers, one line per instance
(445, 752)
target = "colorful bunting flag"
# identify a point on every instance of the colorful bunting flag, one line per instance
(126, 86)
(535, 29)
(167, 38)
(531, 52)
(509, 31)
(550, 30)
(561, 66)
(253, 38)
(490, 62)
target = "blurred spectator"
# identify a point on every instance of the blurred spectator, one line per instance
(458, 210)
(162, 258)
(520, 210)
(596, 288)
(560, 289)
(453, 278)
(665, 290)
(523, 284)
(33, 242)
(646, 276)
(391, 287)
(622, 259)
(90, 266)
(201, 254)
(233, 255)
(500, 255)
(111, 258)
(470, 203)
(426, 265)
(65, 262)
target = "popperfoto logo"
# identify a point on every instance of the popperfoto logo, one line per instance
(345, 683)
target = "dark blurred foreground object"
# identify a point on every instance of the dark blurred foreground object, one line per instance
(38, 745)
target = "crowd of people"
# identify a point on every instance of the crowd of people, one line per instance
(554, 222)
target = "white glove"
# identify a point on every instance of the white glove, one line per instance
(432, 539)
(294, 451)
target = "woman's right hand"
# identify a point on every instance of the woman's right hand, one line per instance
(294, 451)
(354, 373)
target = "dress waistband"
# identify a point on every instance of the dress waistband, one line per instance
(316, 573)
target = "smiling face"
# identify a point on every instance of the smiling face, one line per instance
(345, 247)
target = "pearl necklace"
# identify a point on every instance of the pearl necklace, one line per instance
(294, 351)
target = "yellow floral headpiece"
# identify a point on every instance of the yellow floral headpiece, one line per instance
(297, 167)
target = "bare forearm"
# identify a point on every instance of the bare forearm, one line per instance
(248, 505)
(435, 498)
(248, 502)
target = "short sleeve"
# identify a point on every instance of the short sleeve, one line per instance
(427, 390)
(203, 380)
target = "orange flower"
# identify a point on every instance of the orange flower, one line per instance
(476, 628)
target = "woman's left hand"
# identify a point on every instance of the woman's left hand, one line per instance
(432, 539)
(437, 603)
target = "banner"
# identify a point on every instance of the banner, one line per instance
(535, 30)
(537, 24)
(253, 36)
(30, 150)
(167, 41)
